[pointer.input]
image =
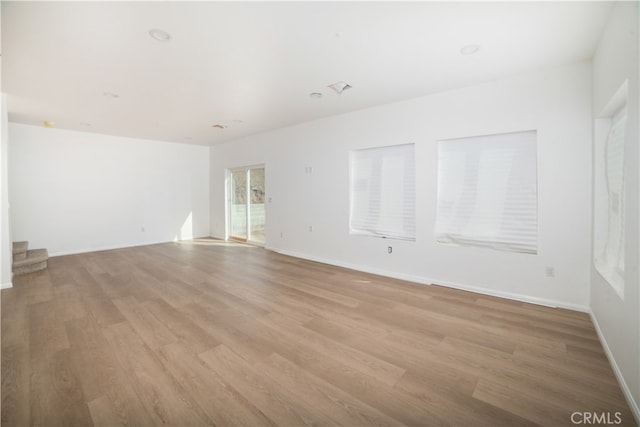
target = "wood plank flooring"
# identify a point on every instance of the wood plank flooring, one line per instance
(215, 333)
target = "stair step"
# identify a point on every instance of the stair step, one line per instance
(33, 257)
(20, 247)
(29, 268)
(20, 250)
(34, 260)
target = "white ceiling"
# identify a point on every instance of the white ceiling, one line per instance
(251, 66)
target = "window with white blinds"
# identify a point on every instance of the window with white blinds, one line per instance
(610, 259)
(487, 192)
(382, 191)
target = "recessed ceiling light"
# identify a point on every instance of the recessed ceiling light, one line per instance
(339, 87)
(315, 95)
(111, 95)
(469, 49)
(48, 124)
(160, 35)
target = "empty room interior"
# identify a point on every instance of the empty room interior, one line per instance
(320, 213)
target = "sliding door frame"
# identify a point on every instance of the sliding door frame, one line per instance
(229, 190)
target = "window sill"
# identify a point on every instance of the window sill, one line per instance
(611, 275)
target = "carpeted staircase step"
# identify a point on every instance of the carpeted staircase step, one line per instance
(20, 250)
(35, 260)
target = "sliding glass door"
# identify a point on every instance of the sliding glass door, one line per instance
(256, 209)
(246, 211)
(238, 205)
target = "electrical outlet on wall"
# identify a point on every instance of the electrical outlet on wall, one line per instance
(551, 271)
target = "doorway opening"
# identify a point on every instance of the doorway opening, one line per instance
(246, 210)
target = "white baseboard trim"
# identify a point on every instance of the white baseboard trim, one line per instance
(431, 281)
(112, 247)
(633, 405)
(6, 285)
(365, 269)
(104, 248)
(516, 297)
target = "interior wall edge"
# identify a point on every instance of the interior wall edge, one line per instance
(626, 390)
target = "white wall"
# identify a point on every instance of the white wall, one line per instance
(617, 319)
(6, 254)
(556, 102)
(75, 191)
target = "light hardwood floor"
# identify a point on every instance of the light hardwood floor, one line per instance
(207, 332)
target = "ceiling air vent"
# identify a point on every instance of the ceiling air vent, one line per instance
(339, 87)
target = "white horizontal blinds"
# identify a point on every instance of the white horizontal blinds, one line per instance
(614, 168)
(383, 192)
(487, 192)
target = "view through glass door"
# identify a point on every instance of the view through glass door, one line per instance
(246, 207)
